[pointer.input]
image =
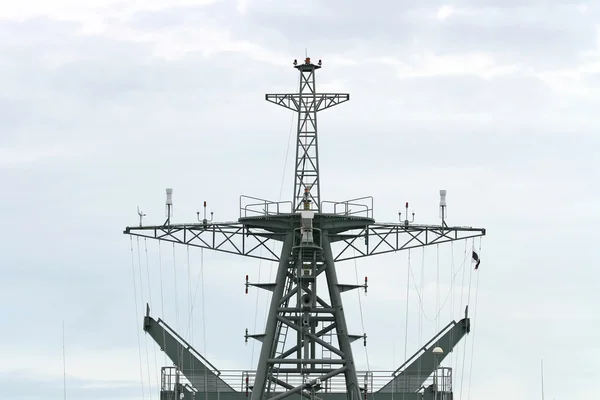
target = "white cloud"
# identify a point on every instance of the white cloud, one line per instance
(112, 365)
(582, 8)
(84, 10)
(427, 63)
(199, 34)
(242, 6)
(575, 80)
(17, 157)
(445, 12)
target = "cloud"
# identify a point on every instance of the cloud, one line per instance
(89, 10)
(26, 386)
(445, 12)
(14, 157)
(429, 64)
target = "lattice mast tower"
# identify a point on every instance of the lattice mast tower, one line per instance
(306, 233)
(301, 264)
(307, 103)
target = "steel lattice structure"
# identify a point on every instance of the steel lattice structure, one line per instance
(306, 234)
(307, 103)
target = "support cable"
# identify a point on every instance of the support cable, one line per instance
(421, 295)
(287, 153)
(452, 295)
(191, 315)
(179, 362)
(462, 373)
(408, 273)
(142, 298)
(162, 301)
(462, 291)
(203, 302)
(422, 313)
(199, 284)
(136, 317)
(203, 320)
(437, 289)
(150, 302)
(190, 327)
(176, 291)
(473, 330)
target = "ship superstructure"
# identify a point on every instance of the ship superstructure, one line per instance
(306, 348)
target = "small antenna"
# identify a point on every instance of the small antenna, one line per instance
(204, 220)
(64, 363)
(443, 206)
(141, 214)
(169, 205)
(406, 221)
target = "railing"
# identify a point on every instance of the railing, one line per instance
(170, 379)
(440, 379)
(359, 207)
(373, 381)
(253, 206)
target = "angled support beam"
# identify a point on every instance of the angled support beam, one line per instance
(198, 370)
(411, 375)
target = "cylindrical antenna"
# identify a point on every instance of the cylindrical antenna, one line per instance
(169, 202)
(443, 204)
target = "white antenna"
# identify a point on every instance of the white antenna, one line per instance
(64, 363)
(169, 205)
(542, 365)
(443, 205)
(141, 214)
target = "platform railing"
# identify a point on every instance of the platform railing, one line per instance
(372, 381)
(359, 207)
(254, 206)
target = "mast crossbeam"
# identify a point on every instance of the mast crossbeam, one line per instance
(377, 239)
(228, 237)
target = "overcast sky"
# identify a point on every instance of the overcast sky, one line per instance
(105, 103)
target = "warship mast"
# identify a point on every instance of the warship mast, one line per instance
(306, 232)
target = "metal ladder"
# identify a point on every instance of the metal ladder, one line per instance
(326, 353)
(281, 333)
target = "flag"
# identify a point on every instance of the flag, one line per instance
(476, 259)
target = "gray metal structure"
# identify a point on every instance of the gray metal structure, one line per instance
(309, 363)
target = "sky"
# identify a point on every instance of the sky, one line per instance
(105, 103)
